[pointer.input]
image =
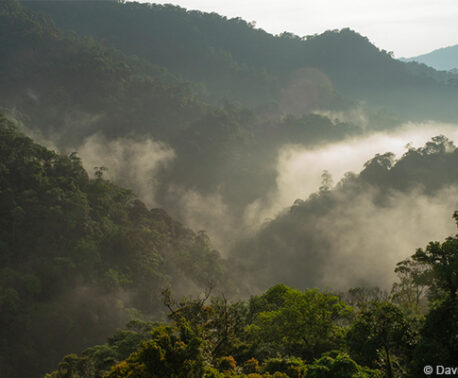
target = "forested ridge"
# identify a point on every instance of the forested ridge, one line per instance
(290, 333)
(81, 256)
(235, 60)
(160, 191)
(78, 87)
(299, 244)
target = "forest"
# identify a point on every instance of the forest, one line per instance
(187, 195)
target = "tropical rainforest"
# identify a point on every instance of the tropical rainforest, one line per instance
(187, 195)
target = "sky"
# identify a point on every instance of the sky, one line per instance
(406, 27)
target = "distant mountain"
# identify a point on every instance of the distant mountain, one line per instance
(235, 61)
(194, 112)
(69, 87)
(444, 59)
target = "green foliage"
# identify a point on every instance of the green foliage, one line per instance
(291, 367)
(81, 254)
(299, 244)
(378, 334)
(438, 337)
(298, 323)
(226, 364)
(438, 334)
(284, 328)
(70, 87)
(167, 354)
(96, 361)
(61, 84)
(220, 324)
(409, 291)
(335, 364)
(441, 262)
(251, 366)
(236, 61)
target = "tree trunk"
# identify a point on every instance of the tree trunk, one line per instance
(389, 371)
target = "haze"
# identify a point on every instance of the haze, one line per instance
(203, 188)
(406, 27)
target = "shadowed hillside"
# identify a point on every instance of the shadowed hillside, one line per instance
(234, 60)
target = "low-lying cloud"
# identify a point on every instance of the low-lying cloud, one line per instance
(355, 243)
(131, 163)
(368, 240)
(206, 212)
(355, 233)
(299, 169)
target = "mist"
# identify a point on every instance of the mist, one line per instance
(348, 240)
(367, 241)
(299, 168)
(137, 165)
(352, 234)
(131, 163)
(354, 243)
(166, 154)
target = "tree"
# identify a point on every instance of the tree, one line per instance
(298, 323)
(410, 290)
(441, 265)
(438, 343)
(292, 367)
(170, 354)
(335, 364)
(220, 324)
(378, 335)
(438, 337)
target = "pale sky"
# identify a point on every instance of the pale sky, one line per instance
(406, 27)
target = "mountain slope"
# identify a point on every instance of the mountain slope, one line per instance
(80, 257)
(349, 235)
(443, 59)
(74, 88)
(236, 61)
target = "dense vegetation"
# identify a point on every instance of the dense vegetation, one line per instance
(298, 247)
(80, 256)
(288, 333)
(197, 112)
(235, 60)
(69, 88)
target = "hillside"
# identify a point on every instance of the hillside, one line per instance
(236, 61)
(289, 333)
(69, 88)
(80, 256)
(444, 59)
(323, 240)
(74, 86)
(160, 171)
